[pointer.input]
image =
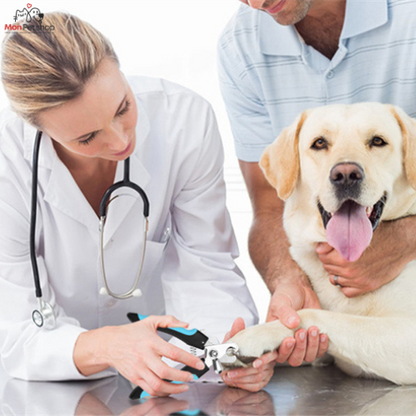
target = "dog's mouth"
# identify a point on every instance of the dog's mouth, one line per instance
(350, 229)
(373, 213)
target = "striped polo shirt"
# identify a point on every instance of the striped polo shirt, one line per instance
(268, 75)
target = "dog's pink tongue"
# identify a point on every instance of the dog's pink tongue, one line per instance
(349, 231)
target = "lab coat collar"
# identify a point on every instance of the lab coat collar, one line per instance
(61, 190)
(360, 17)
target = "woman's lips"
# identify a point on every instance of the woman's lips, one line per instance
(276, 9)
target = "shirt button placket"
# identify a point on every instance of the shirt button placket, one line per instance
(330, 74)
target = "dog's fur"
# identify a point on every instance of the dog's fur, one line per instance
(373, 334)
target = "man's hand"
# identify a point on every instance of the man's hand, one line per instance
(252, 378)
(392, 247)
(306, 345)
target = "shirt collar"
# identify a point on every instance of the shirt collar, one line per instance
(276, 39)
(360, 16)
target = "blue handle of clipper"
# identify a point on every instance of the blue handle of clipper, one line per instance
(139, 393)
(192, 337)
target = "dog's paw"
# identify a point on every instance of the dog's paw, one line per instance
(257, 340)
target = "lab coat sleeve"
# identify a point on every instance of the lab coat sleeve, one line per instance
(201, 282)
(26, 351)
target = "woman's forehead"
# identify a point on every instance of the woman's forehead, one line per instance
(95, 107)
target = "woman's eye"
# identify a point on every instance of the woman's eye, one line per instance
(88, 139)
(377, 141)
(119, 114)
(124, 109)
(319, 144)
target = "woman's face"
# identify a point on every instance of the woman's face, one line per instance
(101, 122)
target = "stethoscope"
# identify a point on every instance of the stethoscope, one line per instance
(44, 316)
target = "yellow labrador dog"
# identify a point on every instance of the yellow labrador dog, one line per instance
(342, 169)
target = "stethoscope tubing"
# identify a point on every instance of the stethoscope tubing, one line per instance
(33, 215)
(106, 199)
(124, 183)
(45, 316)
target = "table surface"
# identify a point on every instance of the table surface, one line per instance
(292, 391)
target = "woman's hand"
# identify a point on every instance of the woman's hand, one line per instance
(136, 351)
(252, 378)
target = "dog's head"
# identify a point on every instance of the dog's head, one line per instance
(353, 159)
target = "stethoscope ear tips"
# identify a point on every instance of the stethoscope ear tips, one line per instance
(103, 291)
(137, 293)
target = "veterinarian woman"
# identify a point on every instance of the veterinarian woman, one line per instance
(67, 83)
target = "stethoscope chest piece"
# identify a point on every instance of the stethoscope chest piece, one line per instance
(37, 318)
(44, 316)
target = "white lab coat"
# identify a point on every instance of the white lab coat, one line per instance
(189, 269)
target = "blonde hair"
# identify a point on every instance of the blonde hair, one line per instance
(42, 69)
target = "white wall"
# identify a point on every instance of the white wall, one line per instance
(176, 40)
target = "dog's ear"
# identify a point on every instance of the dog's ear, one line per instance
(408, 127)
(280, 160)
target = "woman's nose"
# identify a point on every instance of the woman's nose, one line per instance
(256, 4)
(119, 140)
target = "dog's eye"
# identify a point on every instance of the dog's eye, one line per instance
(319, 144)
(377, 141)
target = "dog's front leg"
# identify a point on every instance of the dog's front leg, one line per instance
(381, 346)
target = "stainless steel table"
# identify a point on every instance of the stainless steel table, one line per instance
(292, 391)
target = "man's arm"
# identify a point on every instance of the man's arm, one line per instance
(268, 244)
(269, 251)
(392, 247)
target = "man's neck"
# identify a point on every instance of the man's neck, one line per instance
(320, 8)
(322, 26)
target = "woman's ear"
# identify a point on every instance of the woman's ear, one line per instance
(280, 160)
(408, 128)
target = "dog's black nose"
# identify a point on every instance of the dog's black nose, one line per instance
(346, 175)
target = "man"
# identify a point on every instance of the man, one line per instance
(278, 58)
